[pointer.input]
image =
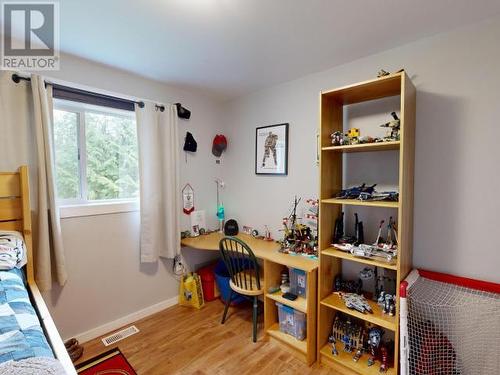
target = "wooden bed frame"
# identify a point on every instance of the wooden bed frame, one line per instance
(15, 214)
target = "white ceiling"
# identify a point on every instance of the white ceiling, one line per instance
(231, 47)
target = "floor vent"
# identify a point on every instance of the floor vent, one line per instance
(120, 335)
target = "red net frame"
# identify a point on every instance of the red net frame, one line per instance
(449, 325)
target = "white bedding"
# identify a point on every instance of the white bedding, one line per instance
(12, 250)
(32, 366)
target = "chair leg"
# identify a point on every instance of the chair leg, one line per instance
(255, 305)
(226, 307)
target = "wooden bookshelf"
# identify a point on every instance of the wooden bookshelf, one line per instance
(333, 252)
(377, 317)
(364, 147)
(303, 349)
(357, 202)
(331, 175)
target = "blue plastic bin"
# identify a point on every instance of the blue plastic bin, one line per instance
(222, 279)
(298, 282)
(292, 322)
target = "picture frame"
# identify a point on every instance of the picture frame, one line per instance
(271, 150)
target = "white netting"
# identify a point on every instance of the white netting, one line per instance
(452, 330)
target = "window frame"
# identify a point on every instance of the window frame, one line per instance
(74, 207)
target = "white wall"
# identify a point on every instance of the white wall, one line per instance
(457, 76)
(106, 280)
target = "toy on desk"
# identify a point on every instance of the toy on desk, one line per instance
(298, 238)
(393, 127)
(378, 350)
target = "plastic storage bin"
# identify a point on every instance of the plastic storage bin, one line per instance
(291, 321)
(298, 282)
(207, 276)
(222, 279)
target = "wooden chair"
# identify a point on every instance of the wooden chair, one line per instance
(243, 270)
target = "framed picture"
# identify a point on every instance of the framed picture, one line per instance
(271, 150)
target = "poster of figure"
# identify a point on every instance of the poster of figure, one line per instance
(271, 150)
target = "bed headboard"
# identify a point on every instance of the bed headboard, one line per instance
(15, 209)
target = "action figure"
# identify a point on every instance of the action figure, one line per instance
(389, 305)
(270, 146)
(378, 351)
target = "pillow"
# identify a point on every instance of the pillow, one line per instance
(12, 250)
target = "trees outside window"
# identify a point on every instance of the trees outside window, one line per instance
(96, 154)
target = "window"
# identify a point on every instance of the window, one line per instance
(96, 156)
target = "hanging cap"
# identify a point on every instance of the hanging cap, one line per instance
(219, 145)
(190, 143)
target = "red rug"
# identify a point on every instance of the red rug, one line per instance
(112, 362)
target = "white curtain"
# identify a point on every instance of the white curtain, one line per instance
(25, 132)
(160, 182)
(50, 249)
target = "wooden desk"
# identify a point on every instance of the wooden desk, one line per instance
(274, 262)
(267, 250)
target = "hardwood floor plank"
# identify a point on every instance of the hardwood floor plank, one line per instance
(185, 341)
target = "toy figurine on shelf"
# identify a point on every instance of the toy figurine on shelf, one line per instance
(394, 127)
(389, 304)
(377, 349)
(299, 238)
(339, 139)
(333, 342)
(353, 134)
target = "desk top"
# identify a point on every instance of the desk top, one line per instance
(262, 249)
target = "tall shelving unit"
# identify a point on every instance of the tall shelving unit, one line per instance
(331, 182)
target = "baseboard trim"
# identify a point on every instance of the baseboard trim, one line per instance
(119, 323)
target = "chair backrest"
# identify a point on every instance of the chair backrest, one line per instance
(238, 257)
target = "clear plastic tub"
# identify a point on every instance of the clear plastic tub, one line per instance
(298, 282)
(292, 322)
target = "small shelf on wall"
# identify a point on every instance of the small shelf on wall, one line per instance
(365, 147)
(357, 202)
(378, 317)
(274, 331)
(370, 262)
(345, 359)
(299, 304)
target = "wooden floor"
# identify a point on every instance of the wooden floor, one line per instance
(181, 340)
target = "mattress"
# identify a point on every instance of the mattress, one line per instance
(21, 335)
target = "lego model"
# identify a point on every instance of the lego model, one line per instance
(344, 242)
(371, 251)
(393, 127)
(356, 302)
(347, 286)
(349, 333)
(299, 238)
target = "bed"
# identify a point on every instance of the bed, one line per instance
(27, 331)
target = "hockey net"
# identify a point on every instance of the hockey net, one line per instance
(449, 325)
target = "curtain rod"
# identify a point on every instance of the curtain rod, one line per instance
(17, 78)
